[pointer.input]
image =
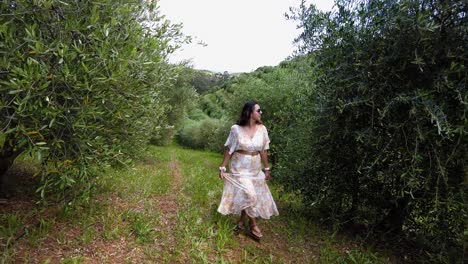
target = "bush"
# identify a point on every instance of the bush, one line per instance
(83, 84)
(208, 134)
(387, 141)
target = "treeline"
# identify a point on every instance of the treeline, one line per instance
(84, 85)
(368, 122)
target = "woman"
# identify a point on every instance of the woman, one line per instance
(245, 190)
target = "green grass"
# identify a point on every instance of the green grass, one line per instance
(10, 226)
(131, 205)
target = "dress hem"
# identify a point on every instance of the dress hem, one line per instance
(239, 213)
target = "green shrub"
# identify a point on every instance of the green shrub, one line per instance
(83, 84)
(188, 134)
(209, 134)
(388, 130)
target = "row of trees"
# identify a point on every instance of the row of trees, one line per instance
(369, 123)
(84, 84)
(388, 137)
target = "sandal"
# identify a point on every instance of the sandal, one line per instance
(255, 232)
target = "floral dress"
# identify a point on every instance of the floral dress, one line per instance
(245, 187)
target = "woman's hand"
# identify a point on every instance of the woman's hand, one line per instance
(267, 175)
(222, 170)
(221, 175)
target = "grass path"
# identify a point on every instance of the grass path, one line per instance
(163, 210)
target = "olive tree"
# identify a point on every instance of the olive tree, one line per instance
(388, 137)
(82, 83)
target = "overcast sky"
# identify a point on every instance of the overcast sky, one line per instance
(241, 35)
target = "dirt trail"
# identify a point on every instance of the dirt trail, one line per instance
(167, 205)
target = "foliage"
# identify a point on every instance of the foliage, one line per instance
(388, 135)
(203, 81)
(83, 84)
(214, 104)
(205, 126)
(179, 100)
(280, 91)
(208, 134)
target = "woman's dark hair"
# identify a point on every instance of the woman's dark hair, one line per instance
(247, 111)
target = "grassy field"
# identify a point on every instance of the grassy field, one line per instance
(163, 210)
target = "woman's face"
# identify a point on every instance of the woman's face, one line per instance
(257, 113)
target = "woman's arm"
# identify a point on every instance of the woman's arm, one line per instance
(222, 168)
(264, 157)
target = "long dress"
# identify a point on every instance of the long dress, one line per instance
(245, 187)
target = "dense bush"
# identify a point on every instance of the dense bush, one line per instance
(208, 134)
(388, 134)
(83, 84)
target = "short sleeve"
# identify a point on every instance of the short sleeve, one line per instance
(266, 139)
(232, 141)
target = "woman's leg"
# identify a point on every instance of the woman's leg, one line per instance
(256, 232)
(243, 215)
(242, 221)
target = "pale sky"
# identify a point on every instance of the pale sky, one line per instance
(241, 35)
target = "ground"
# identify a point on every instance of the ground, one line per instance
(162, 209)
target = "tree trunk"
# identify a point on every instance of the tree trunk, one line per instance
(396, 216)
(7, 156)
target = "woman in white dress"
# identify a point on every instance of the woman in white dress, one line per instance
(245, 190)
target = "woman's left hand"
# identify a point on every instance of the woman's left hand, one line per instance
(267, 175)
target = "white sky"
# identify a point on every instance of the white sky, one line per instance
(241, 35)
